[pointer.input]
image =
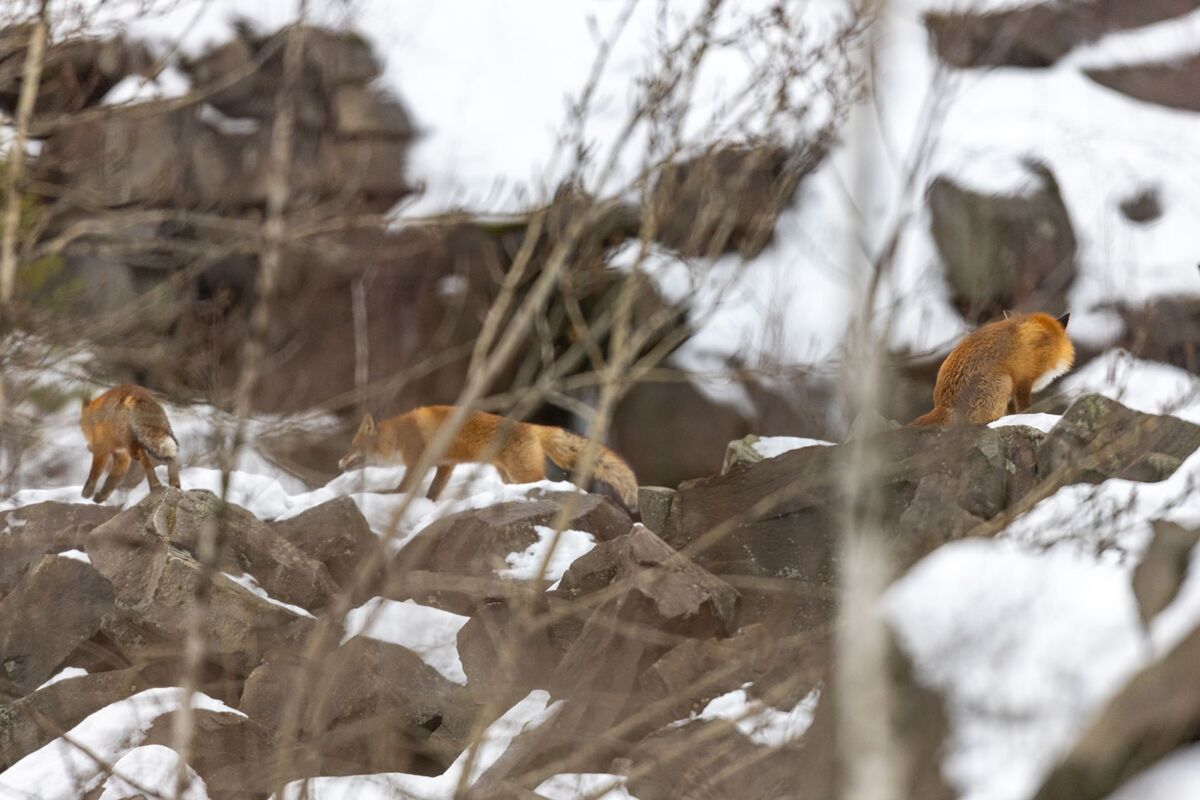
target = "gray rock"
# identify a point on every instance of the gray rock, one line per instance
(1163, 568)
(58, 606)
(41, 528)
(336, 534)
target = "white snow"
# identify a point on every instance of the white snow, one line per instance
(570, 546)
(62, 770)
(592, 785)
(1176, 776)
(151, 768)
(760, 722)
(529, 713)
(67, 672)
(771, 446)
(247, 581)
(75, 555)
(1148, 386)
(429, 632)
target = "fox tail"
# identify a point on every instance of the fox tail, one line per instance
(935, 417)
(564, 449)
(153, 432)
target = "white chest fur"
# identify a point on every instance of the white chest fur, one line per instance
(1047, 377)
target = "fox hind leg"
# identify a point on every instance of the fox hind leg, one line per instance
(440, 479)
(120, 465)
(99, 459)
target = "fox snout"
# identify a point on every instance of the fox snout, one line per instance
(352, 460)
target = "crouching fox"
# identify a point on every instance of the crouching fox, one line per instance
(1007, 359)
(521, 451)
(123, 424)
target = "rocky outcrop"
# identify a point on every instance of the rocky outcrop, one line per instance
(337, 535)
(464, 552)
(76, 72)
(1172, 84)
(38, 631)
(1040, 34)
(728, 199)
(1004, 252)
(42, 528)
(144, 554)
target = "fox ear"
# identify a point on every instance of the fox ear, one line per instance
(1064, 318)
(84, 402)
(368, 425)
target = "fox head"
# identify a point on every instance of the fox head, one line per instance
(364, 448)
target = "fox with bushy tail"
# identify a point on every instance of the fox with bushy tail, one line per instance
(1007, 359)
(522, 452)
(123, 424)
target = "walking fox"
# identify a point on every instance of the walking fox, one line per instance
(1008, 358)
(127, 423)
(521, 451)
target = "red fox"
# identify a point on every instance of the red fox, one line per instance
(1008, 358)
(127, 423)
(522, 455)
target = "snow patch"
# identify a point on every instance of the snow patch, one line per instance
(431, 633)
(1042, 422)
(67, 672)
(771, 446)
(760, 722)
(571, 545)
(247, 581)
(151, 768)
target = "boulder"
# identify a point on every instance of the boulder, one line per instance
(359, 111)
(1165, 329)
(1120, 442)
(1142, 207)
(336, 534)
(37, 719)
(1039, 34)
(1172, 84)
(1164, 567)
(156, 583)
(1004, 252)
(646, 600)
(475, 543)
(504, 661)
(41, 528)
(231, 753)
(247, 545)
(375, 707)
(728, 199)
(76, 72)
(1156, 712)
(59, 605)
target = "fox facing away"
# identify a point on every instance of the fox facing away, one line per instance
(123, 424)
(521, 451)
(1008, 358)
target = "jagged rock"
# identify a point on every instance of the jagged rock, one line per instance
(1172, 84)
(41, 528)
(1166, 329)
(231, 753)
(1120, 442)
(691, 429)
(1156, 712)
(494, 673)
(249, 71)
(336, 534)
(155, 581)
(376, 707)
(728, 199)
(358, 111)
(248, 545)
(1143, 207)
(58, 605)
(1004, 252)
(76, 72)
(654, 502)
(1163, 568)
(707, 760)
(1038, 35)
(35, 720)
(475, 543)
(659, 600)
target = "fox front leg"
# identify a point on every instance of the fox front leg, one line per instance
(440, 479)
(120, 465)
(1021, 394)
(173, 473)
(98, 462)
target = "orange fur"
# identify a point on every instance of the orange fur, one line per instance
(519, 450)
(1008, 358)
(123, 424)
